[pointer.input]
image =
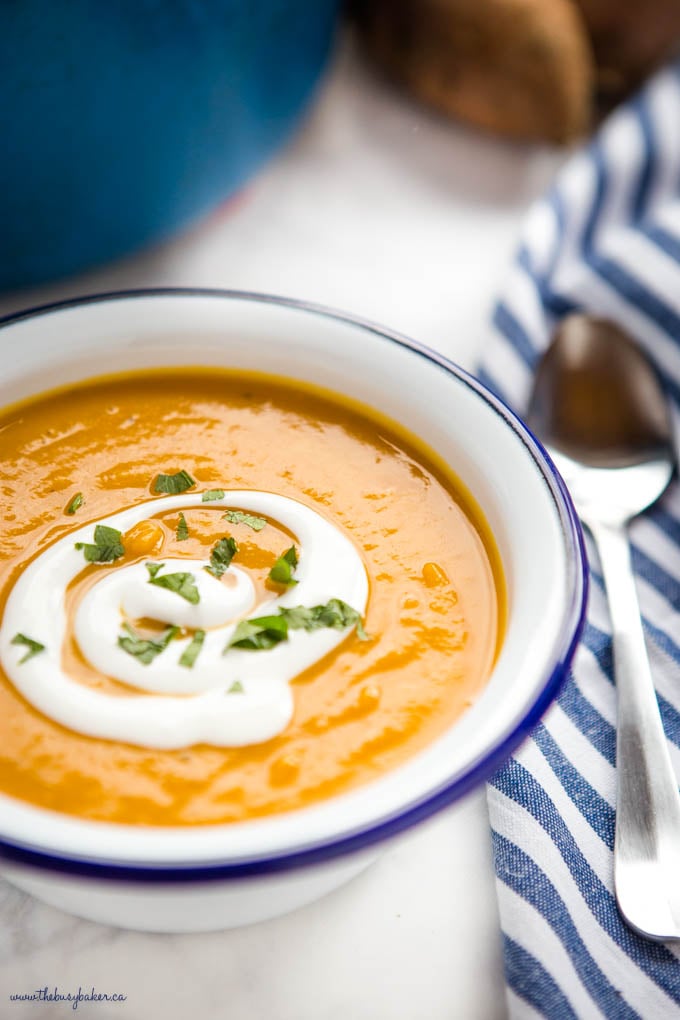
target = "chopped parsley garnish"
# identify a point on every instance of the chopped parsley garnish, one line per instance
(236, 688)
(266, 631)
(32, 647)
(182, 583)
(106, 548)
(182, 531)
(192, 650)
(212, 494)
(75, 503)
(336, 614)
(221, 556)
(145, 649)
(174, 484)
(239, 517)
(262, 632)
(282, 571)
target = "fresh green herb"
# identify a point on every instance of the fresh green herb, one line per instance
(191, 652)
(145, 649)
(267, 631)
(221, 556)
(302, 617)
(33, 647)
(282, 571)
(262, 632)
(211, 495)
(106, 548)
(75, 503)
(361, 633)
(182, 583)
(336, 614)
(236, 688)
(174, 484)
(182, 531)
(239, 517)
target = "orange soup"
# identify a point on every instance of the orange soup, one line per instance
(225, 596)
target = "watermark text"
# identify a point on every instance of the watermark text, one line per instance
(47, 994)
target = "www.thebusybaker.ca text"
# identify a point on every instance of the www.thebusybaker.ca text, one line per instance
(54, 995)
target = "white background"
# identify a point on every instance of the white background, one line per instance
(381, 209)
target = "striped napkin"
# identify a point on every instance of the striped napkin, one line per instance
(605, 239)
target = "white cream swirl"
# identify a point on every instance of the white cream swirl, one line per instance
(187, 706)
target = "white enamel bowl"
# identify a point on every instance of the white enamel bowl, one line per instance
(226, 875)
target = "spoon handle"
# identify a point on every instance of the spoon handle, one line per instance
(647, 841)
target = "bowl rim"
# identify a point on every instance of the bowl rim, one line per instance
(564, 648)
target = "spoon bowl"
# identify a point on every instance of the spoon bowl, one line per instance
(613, 494)
(599, 400)
(599, 406)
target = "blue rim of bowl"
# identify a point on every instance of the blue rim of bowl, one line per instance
(479, 770)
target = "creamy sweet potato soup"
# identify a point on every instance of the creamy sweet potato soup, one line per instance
(223, 597)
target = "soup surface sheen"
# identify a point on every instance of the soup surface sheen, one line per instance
(210, 697)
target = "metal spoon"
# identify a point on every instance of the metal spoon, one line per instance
(600, 408)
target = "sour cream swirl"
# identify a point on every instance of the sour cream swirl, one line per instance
(184, 706)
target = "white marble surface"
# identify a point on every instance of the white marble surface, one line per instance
(381, 209)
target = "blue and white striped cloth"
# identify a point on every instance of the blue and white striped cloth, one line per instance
(605, 239)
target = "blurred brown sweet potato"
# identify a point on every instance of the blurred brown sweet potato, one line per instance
(629, 38)
(528, 69)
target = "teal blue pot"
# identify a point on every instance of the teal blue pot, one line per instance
(122, 122)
